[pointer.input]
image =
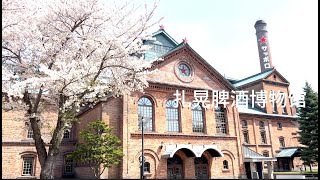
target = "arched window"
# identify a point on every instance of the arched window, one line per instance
(66, 134)
(263, 137)
(244, 124)
(265, 153)
(246, 136)
(281, 141)
(197, 118)
(283, 103)
(221, 120)
(172, 115)
(146, 167)
(261, 125)
(273, 101)
(145, 111)
(225, 164)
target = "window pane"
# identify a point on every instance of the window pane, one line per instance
(27, 166)
(68, 166)
(172, 115)
(284, 108)
(244, 123)
(225, 164)
(246, 137)
(221, 125)
(197, 118)
(146, 167)
(66, 134)
(261, 124)
(145, 110)
(282, 144)
(30, 133)
(263, 137)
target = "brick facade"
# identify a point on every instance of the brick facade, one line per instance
(121, 114)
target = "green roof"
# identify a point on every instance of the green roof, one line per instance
(288, 152)
(166, 35)
(253, 78)
(249, 153)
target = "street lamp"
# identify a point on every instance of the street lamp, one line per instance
(142, 159)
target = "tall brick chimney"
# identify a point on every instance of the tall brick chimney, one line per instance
(263, 45)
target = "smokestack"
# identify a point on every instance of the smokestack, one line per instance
(263, 45)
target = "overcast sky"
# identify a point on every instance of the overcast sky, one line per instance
(223, 33)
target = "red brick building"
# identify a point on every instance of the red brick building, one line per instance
(180, 140)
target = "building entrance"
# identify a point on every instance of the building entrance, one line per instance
(174, 167)
(201, 168)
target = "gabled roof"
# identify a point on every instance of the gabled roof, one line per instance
(253, 78)
(186, 45)
(166, 35)
(256, 111)
(257, 77)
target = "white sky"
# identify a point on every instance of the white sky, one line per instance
(223, 33)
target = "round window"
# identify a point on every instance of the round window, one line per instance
(184, 69)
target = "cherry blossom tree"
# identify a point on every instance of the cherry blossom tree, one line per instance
(70, 53)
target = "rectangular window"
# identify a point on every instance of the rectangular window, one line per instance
(29, 133)
(263, 137)
(221, 124)
(284, 108)
(27, 169)
(246, 137)
(279, 125)
(282, 144)
(274, 107)
(68, 166)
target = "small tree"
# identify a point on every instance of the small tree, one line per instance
(308, 120)
(98, 148)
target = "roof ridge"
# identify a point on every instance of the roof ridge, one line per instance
(182, 45)
(271, 69)
(166, 34)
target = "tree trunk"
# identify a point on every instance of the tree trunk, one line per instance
(310, 167)
(47, 169)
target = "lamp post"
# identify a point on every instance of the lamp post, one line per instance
(142, 149)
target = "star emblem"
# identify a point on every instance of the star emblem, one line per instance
(263, 40)
(183, 70)
(185, 41)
